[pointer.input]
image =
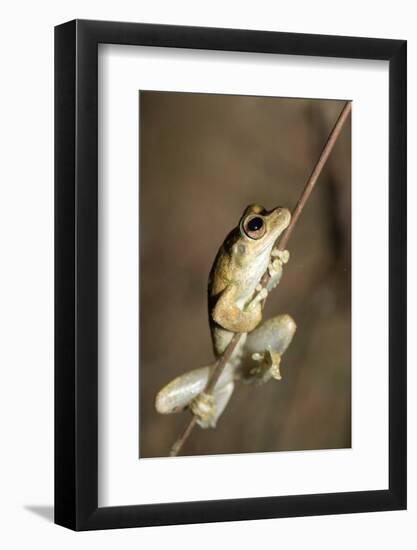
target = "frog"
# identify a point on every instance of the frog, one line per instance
(236, 295)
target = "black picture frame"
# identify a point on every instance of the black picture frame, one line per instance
(76, 272)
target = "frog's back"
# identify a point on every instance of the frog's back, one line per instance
(218, 281)
(218, 277)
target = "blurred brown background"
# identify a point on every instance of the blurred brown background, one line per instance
(203, 159)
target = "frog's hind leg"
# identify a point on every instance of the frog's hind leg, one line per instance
(187, 390)
(275, 333)
(264, 348)
(178, 394)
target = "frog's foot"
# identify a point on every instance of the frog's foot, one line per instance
(203, 407)
(265, 345)
(208, 408)
(268, 366)
(282, 255)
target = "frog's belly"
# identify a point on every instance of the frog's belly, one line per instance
(250, 282)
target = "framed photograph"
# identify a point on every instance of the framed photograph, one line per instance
(230, 253)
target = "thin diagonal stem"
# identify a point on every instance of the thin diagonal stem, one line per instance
(281, 244)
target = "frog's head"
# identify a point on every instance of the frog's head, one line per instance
(259, 229)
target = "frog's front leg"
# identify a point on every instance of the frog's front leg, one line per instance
(275, 267)
(264, 348)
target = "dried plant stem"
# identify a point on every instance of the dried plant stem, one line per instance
(311, 182)
(281, 244)
(217, 371)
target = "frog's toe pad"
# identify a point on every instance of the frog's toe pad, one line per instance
(274, 360)
(268, 366)
(282, 255)
(275, 372)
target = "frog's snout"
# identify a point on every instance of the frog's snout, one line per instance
(283, 215)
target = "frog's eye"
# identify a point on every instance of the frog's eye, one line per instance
(254, 227)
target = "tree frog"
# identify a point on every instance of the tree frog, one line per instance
(235, 302)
